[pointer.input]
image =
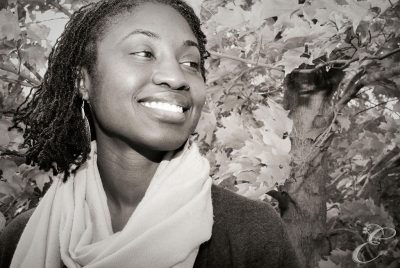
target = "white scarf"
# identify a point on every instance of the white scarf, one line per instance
(72, 224)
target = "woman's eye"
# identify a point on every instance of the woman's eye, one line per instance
(144, 54)
(192, 65)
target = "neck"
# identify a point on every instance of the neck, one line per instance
(125, 172)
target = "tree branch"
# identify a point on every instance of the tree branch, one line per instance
(221, 55)
(365, 80)
(362, 79)
(60, 8)
(383, 165)
(372, 107)
(351, 87)
(239, 76)
(6, 79)
(41, 21)
(31, 81)
(386, 160)
(7, 112)
(378, 76)
(345, 63)
(381, 57)
(345, 230)
(12, 153)
(33, 71)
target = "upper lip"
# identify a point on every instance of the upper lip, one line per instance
(168, 97)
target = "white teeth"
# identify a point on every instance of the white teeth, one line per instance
(163, 106)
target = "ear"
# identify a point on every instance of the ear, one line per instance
(85, 84)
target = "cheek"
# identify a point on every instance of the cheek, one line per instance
(199, 98)
(109, 100)
(113, 85)
(198, 92)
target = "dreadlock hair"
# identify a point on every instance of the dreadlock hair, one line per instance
(55, 133)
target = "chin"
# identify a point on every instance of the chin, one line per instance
(166, 140)
(161, 143)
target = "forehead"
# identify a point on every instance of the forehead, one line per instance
(161, 19)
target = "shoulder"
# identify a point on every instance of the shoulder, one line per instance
(229, 206)
(250, 219)
(249, 223)
(246, 233)
(10, 235)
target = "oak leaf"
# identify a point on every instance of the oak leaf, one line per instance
(9, 25)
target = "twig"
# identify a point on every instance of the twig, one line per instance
(6, 79)
(359, 93)
(378, 76)
(221, 55)
(320, 141)
(338, 177)
(259, 46)
(381, 57)
(7, 112)
(233, 82)
(345, 63)
(239, 76)
(386, 163)
(209, 11)
(370, 108)
(13, 153)
(350, 89)
(345, 230)
(41, 21)
(26, 77)
(26, 99)
(33, 71)
(386, 108)
(357, 84)
(60, 7)
(10, 204)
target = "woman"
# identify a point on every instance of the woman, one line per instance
(140, 194)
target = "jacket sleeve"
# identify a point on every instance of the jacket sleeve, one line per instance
(9, 237)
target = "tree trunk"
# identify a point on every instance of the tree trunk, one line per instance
(307, 96)
(3, 4)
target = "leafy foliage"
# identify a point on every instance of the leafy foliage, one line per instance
(244, 130)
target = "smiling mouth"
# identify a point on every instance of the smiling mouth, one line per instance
(164, 106)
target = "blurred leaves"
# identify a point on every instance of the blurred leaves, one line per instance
(9, 25)
(365, 211)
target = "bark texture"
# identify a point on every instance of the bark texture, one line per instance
(308, 97)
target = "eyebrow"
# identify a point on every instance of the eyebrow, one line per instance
(190, 43)
(143, 32)
(187, 43)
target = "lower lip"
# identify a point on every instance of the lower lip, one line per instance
(165, 116)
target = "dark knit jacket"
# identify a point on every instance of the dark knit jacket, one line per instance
(245, 233)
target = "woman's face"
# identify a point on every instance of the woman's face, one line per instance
(147, 88)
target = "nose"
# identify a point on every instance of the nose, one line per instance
(170, 74)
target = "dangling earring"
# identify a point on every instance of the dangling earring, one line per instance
(86, 122)
(83, 109)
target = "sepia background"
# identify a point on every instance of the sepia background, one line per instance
(303, 111)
